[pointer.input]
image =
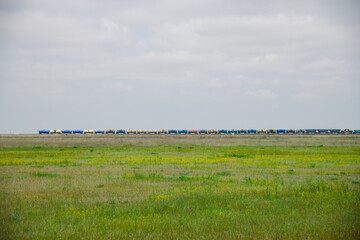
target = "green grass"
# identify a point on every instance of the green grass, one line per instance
(43, 174)
(180, 192)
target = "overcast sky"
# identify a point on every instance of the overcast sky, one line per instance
(89, 64)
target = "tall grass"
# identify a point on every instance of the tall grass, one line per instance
(180, 192)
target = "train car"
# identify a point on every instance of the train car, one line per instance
(252, 131)
(54, 131)
(271, 131)
(110, 131)
(120, 131)
(280, 131)
(141, 131)
(335, 131)
(311, 131)
(193, 131)
(300, 131)
(290, 131)
(172, 131)
(182, 131)
(99, 132)
(66, 131)
(232, 131)
(131, 131)
(222, 131)
(356, 131)
(261, 131)
(152, 131)
(346, 131)
(162, 131)
(213, 131)
(203, 131)
(88, 131)
(44, 131)
(242, 131)
(323, 131)
(78, 131)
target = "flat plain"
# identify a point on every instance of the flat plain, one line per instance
(179, 187)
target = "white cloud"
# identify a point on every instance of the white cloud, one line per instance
(109, 25)
(264, 94)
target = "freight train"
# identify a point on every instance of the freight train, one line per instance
(205, 131)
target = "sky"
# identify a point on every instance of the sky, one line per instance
(169, 64)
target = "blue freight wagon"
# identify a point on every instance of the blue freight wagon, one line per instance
(280, 131)
(251, 131)
(183, 131)
(78, 131)
(242, 131)
(120, 131)
(44, 131)
(172, 131)
(222, 131)
(66, 131)
(99, 132)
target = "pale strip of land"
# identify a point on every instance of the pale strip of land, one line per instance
(31, 140)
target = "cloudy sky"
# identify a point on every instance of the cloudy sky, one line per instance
(179, 64)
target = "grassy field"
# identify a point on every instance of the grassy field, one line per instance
(182, 187)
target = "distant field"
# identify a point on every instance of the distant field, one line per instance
(157, 140)
(179, 187)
